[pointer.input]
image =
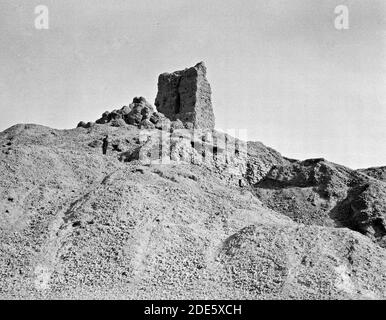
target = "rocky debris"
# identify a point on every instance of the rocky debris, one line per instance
(378, 173)
(115, 145)
(307, 191)
(364, 210)
(261, 258)
(160, 121)
(177, 125)
(186, 95)
(141, 110)
(85, 125)
(214, 150)
(368, 214)
(153, 148)
(172, 212)
(260, 161)
(95, 144)
(328, 180)
(139, 113)
(146, 124)
(77, 224)
(133, 114)
(318, 192)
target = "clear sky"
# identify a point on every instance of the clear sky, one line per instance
(278, 68)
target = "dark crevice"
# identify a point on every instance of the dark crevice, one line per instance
(177, 107)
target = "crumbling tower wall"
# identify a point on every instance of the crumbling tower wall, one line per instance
(186, 95)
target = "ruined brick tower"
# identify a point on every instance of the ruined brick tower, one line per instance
(186, 95)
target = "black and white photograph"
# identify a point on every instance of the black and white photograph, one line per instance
(192, 150)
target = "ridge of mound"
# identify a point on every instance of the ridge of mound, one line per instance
(76, 223)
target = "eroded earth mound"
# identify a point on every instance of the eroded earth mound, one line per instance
(171, 212)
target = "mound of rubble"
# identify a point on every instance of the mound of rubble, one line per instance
(139, 113)
(178, 210)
